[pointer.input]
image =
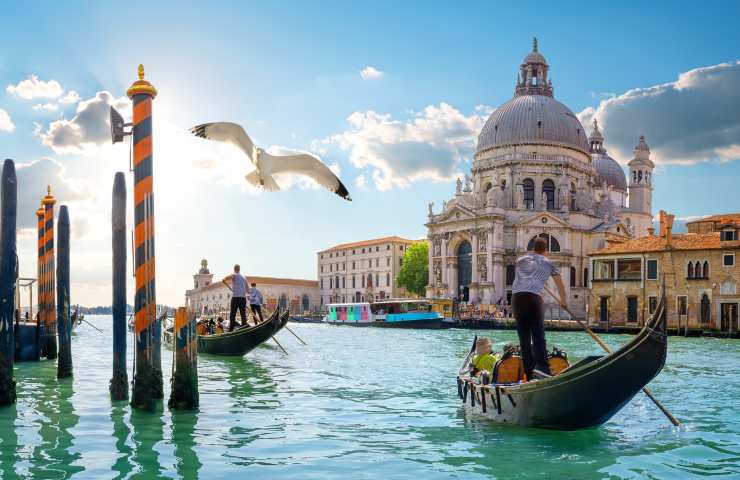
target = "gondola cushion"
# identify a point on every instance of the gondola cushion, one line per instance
(509, 369)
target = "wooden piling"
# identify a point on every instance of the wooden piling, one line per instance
(119, 381)
(64, 320)
(8, 279)
(50, 313)
(40, 320)
(148, 370)
(184, 394)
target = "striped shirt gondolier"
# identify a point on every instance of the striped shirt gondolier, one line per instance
(532, 272)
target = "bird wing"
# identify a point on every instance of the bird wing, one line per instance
(306, 165)
(226, 132)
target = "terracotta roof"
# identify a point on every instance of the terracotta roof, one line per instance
(368, 243)
(722, 219)
(656, 243)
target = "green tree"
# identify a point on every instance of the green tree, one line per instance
(414, 273)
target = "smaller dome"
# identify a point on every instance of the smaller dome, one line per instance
(609, 172)
(534, 57)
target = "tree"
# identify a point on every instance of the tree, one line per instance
(414, 273)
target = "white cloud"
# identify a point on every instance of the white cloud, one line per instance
(89, 127)
(371, 73)
(430, 145)
(693, 119)
(48, 107)
(69, 98)
(360, 181)
(32, 88)
(6, 124)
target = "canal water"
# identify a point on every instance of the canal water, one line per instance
(361, 403)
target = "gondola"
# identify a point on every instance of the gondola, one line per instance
(584, 395)
(240, 341)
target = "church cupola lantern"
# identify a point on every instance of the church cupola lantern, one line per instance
(532, 78)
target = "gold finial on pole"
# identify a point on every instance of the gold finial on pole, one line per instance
(141, 72)
(141, 86)
(49, 198)
(48, 189)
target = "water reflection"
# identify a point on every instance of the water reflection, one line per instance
(147, 432)
(183, 436)
(122, 433)
(8, 441)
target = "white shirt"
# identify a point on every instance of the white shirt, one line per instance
(239, 285)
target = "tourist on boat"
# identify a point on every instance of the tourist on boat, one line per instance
(532, 272)
(484, 360)
(238, 296)
(255, 303)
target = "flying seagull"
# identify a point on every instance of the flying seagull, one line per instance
(267, 165)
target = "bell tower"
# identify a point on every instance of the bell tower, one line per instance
(641, 179)
(204, 277)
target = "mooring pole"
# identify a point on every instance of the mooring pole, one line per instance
(40, 300)
(8, 279)
(50, 315)
(148, 375)
(119, 381)
(64, 321)
(184, 394)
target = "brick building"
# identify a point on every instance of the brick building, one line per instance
(701, 277)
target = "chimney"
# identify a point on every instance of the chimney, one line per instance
(668, 229)
(651, 231)
(661, 220)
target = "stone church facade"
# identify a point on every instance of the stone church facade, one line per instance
(535, 173)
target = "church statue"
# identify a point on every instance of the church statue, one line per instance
(458, 187)
(482, 269)
(468, 182)
(431, 206)
(544, 201)
(491, 196)
(519, 196)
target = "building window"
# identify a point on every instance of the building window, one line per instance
(377, 249)
(603, 269)
(705, 312)
(629, 269)
(728, 235)
(343, 281)
(377, 281)
(705, 272)
(377, 262)
(585, 277)
(331, 267)
(572, 277)
(652, 269)
(548, 188)
(353, 265)
(728, 260)
(388, 261)
(690, 270)
(652, 304)
(363, 250)
(322, 256)
(322, 283)
(331, 255)
(387, 279)
(363, 281)
(528, 187)
(573, 196)
(682, 302)
(552, 243)
(388, 247)
(510, 274)
(336, 281)
(400, 262)
(331, 284)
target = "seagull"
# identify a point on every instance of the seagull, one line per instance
(267, 165)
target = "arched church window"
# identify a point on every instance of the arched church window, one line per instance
(572, 277)
(488, 187)
(705, 274)
(528, 187)
(552, 243)
(548, 188)
(639, 176)
(634, 176)
(690, 270)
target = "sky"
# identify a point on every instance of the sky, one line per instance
(391, 95)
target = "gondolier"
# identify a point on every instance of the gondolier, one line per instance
(532, 272)
(255, 303)
(238, 284)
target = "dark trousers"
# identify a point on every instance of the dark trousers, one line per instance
(530, 326)
(256, 311)
(239, 303)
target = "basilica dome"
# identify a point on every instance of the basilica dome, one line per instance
(533, 116)
(608, 171)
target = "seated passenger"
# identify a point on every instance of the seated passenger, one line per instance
(484, 360)
(220, 325)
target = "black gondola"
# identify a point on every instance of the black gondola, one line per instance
(242, 340)
(584, 395)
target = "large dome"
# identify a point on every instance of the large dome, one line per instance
(533, 120)
(608, 171)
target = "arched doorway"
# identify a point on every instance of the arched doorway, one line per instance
(283, 301)
(305, 303)
(705, 309)
(464, 269)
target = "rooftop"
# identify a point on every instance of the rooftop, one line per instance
(657, 243)
(369, 243)
(722, 219)
(298, 282)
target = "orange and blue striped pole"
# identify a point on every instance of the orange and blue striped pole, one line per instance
(50, 314)
(40, 325)
(184, 394)
(147, 385)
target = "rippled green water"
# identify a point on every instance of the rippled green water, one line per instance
(361, 403)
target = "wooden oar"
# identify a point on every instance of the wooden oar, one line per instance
(96, 328)
(606, 348)
(271, 336)
(296, 336)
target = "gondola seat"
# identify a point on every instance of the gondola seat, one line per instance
(510, 369)
(558, 363)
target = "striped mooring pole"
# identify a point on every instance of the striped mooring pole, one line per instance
(64, 315)
(184, 394)
(40, 330)
(119, 381)
(147, 385)
(8, 279)
(50, 314)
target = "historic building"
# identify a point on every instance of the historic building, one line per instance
(535, 173)
(700, 270)
(301, 296)
(726, 222)
(362, 271)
